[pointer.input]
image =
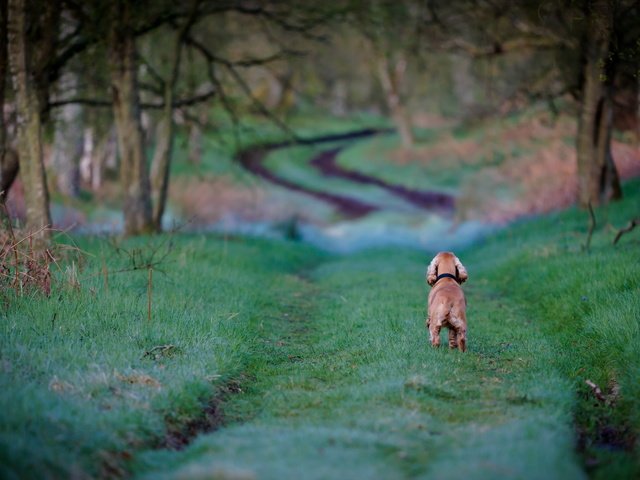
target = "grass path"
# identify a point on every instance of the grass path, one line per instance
(346, 387)
(329, 358)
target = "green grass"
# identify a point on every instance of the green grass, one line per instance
(373, 158)
(354, 391)
(351, 388)
(74, 380)
(330, 353)
(434, 164)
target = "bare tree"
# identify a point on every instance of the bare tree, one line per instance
(389, 30)
(598, 180)
(161, 164)
(28, 49)
(68, 141)
(593, 43)
(123, 67)
(8, 158)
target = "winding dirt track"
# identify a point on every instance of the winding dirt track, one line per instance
(252, 159)
(326, 163)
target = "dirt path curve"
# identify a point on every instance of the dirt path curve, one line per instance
(252, 159)
(326, 163)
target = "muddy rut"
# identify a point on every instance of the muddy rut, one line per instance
(252, 159)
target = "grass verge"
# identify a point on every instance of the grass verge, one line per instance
(84, 381)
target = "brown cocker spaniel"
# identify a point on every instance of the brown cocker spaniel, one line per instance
(447, 305)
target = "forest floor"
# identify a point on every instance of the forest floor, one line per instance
(272, 359)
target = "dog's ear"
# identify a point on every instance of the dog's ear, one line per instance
(462, 272)
(432, 270)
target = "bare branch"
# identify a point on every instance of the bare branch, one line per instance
(95, 102)
(592, 227)
(630, 226)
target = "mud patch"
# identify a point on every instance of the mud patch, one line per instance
(326, 163)
(209, 420)
(252, 160)
(177, 438)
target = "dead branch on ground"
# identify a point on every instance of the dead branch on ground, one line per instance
(630, 226)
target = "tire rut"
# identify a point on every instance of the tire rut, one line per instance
(252, 159)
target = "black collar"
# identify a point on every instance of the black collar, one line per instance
(445, 275)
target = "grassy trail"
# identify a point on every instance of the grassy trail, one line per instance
(328, 355)
(345, 386)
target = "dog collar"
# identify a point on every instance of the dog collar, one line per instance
(445, 275)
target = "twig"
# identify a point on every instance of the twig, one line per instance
(105, 273)
(630, 226)
(592, 227)
(149, 289)
(596, 391)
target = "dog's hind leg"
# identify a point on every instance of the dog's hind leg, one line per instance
(453, 343)
(459, 327)
(434, 333)
(462, 339)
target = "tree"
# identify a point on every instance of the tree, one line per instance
(8, 159)
(593, 42)
(57, 40)
(123, 69)
(68, 141)
(161, 164)
(389, 29)
(29, 44)
(598, 180)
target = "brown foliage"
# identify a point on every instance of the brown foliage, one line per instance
(24, 267)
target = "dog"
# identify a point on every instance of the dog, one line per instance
(447, 305)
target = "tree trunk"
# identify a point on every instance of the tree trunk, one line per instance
(8, 158)
(598, 180)
(126, 111)
(29, 125)
(195, 142)
(391, 81)
(161, 165)
(68, 142)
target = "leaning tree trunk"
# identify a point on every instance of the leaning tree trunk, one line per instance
(29, 125)
(161, 164)
(134, 175)
(391, 79)
(598, 180)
